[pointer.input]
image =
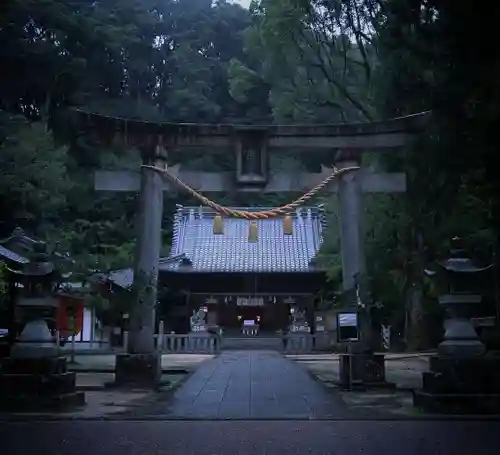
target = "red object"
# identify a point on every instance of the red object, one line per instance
(69, 317)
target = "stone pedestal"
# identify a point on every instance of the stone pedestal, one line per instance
(460, 340)
(34, 377)
(368, 370)
(298, 342)
(38, 384)
(460, 385)
(35, 342)
(138, 370)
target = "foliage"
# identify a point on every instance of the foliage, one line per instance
(284, 61)
(33, 170)
(4, 289)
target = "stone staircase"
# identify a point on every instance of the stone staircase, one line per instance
(256, 343)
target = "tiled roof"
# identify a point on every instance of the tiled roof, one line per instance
(11, 255)
(19, 239)
(231, 252)
(464, 265)
(125, 277)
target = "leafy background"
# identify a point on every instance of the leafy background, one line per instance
(280, 61)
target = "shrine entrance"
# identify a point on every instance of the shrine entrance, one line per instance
(251, 316)
(263, 314)
(254, 315)
(251, 146)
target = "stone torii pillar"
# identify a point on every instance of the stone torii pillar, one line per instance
(350, 217)
(361, 365)
(141, 365)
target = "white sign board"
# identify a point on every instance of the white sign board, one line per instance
(256, 301)
(348, 319)
(347, 327)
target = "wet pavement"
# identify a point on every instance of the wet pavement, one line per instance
(250, 385)
(250, 438)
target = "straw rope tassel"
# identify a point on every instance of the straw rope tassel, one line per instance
(218, 226)
(253, 232)
(288, 225)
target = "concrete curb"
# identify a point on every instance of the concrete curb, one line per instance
(108, 371)
(162, 397)
(117, 418)
(423, 357)
(134, 413)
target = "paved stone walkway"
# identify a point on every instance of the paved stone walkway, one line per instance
(251, 385)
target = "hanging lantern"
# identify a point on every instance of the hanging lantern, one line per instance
(288, 225)
(218, 227)
(253, 233)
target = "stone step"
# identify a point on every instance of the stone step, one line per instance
(23, 403)
(457, 403)
(44, 365)
(440, 383)
(252, 343)
(36, 384)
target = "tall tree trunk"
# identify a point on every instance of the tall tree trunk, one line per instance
(415, 317)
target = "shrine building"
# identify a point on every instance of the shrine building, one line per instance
(233, 278)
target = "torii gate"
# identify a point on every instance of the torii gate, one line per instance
(348, 142)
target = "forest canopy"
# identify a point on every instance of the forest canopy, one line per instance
(280, 61)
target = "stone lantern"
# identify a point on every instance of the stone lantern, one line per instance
(35, 376)
(460, 281)
(462, 376)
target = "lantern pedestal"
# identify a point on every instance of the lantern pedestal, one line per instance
(35, 377)
(460, 337)
(462, 378)
(461, 385)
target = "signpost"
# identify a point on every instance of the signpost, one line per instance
(348, 331)
(347, 327)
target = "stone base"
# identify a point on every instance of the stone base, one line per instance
(474, 375)
(138, 370)
(455, 403)
(28, 403)
(368, 370)
(38, 385)
(461, 385)
(461, 348)
(44, 365)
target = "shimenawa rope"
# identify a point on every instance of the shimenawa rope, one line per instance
(265, 214)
